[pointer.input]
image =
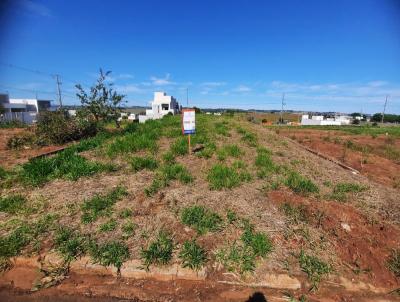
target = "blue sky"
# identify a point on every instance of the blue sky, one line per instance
(324, 55)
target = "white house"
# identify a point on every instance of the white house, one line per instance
(24, 110)
(162, 104)
(319, 120)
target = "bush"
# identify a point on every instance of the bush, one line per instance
(159, 251)
(192, 255)
(201, 219)
(57, 127)
(100, 205)
(12, 204)
(300, 184)
(21, 141)
(140, 163)
(66, 164)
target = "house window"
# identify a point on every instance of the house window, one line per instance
(165, 106)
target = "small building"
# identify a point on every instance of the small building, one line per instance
(23, 110)
(162, 104)
(319, 120)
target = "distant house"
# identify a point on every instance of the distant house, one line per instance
(320, 120)
(162, 104)
(24, 110)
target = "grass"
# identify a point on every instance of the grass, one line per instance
(125, 213)
(12, 204)
(393, 263)
(141, 163)
(3, 173)
(221, 176)
(192, 255)
(229, 150)
(100, 205)
(109, 253)
(12, 244)
(237, 258)
(128, 228)
(258, 242)
(340, 190)
(222, 128)
(248, 137)
(314, 268)
(201, 219)
(66, 165)
(69, 243)
(264, 162)
(180, 147)
(166, 174)
(300, 184)
(109, 226)
(159, 251)
(295, 214)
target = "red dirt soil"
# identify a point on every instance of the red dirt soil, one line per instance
(363, 249)
(377, 167)
(10, 158)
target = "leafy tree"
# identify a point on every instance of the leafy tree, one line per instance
(102, 102)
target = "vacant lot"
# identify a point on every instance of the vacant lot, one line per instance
(133, 215)
(374, 151)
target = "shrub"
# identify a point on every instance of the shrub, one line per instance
(70, 243)
(140, 163)
(100, 205)
(57, 127)
(300, 184)
(221, 176)
(314, 268)
(192, 255)
(21, 141)
(159, 251)
(201, 219)
(393, 262)
(66, 164)
(12, 204)
(110, 253)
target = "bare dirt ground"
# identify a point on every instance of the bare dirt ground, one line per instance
(10, 158)
(356, 236)
(375, 164)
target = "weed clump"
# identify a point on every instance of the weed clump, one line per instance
(300, 184)
(229, 150)
(12, 244)
(314, 268)
(201, 219)
(159, 251)
(248, 137)
(67, 165)
(110, 253)
(393, 263)
(341, 190)
(192, 255)
(167, 174)
(221, 176)
(69, 243)
(100, 205)
(12, 204)
(109, 226)
(141, 163)
(258, 242)
(264, 162)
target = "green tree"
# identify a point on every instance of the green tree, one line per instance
(102, 102)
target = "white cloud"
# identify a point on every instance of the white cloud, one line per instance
(129, 88)
(162, 81)
(212, 84)
(242, 88)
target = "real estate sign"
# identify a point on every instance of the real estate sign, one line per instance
(188, 121)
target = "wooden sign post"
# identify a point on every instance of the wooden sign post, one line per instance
(188, 124)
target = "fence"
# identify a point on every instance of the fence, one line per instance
(23, 117)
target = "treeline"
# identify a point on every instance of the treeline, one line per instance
(388, 118)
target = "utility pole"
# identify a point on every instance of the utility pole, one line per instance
(283, 103)
(59, 90)
(384, 109)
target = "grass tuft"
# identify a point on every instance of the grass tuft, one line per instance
(393, 263)
(264, 162)
(221, 176)
(110, 253)
(300, 184)
(296, 214)
(159, 251)
(141, 163)
(69, 243)
(201, 219)
(192, 255)
(341, 190)
(12, 204)
(314, 268)
(100, 205)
